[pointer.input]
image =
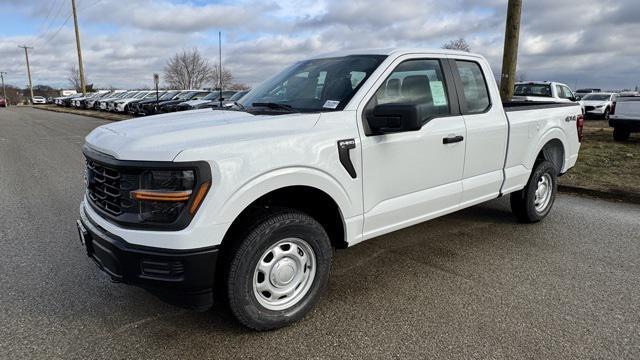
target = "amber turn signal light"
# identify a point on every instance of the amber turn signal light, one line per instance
(161, 195)
(202, 191)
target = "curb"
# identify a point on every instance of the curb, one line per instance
(618, 195)
(94, 114)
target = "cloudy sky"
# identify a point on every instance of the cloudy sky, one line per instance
(584, 43)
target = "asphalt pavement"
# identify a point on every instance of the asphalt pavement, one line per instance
(474, 284)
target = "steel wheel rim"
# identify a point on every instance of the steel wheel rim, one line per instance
(284, 274)
(543, 193)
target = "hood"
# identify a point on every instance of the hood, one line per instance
(595, 103)
(195, 102)
(163, 137)
(171, 102)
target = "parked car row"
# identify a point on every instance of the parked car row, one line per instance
(148, 102)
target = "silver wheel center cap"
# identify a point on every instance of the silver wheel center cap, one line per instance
(283, 272)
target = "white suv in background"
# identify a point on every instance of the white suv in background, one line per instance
(545, 91)
(597, 104)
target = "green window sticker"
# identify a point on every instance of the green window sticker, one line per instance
(437, 92)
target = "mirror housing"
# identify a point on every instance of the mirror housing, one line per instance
(392, 118)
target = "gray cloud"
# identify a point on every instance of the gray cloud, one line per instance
(583, 43)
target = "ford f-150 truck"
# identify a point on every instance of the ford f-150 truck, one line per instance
(245, 205)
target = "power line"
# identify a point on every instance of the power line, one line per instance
(46, 26)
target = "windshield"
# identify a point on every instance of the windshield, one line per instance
(169, 95)
(543, 90)
(140, 95)
(597, 97)
(316, 85)
(212, 96)
(153, 95)
(238, 95)
(199, 96)
(186, 95)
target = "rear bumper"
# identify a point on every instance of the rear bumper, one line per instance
(181, 277)
(625, 123)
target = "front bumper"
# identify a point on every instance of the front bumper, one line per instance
(181, 277)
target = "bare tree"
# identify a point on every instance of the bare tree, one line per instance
(458, 44)
(73, 77)
(188, 70)
(227, 78)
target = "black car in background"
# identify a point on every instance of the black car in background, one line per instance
(171, 105)
(150, 106)
(133, 107)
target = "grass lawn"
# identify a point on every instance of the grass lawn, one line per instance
(604, 164)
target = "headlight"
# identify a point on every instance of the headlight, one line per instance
(165, 194)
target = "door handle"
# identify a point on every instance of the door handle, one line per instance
(452, 139)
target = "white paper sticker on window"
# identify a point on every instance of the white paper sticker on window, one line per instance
(437, 92)
(331, 104)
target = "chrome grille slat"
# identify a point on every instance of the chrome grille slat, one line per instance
(104, 188)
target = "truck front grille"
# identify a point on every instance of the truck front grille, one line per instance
(103, 187)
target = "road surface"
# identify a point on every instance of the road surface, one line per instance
(474, 284)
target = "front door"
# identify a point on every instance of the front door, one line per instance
(412, 176)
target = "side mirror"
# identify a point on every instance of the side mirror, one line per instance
(392, 118)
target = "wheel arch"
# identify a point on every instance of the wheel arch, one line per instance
(551, 147)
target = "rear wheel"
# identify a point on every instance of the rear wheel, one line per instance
(279, 270)
(534, 202)
(620, 134)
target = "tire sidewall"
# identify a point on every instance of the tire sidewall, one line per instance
(544, 167)
(240, 283)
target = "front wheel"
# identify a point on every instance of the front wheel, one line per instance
(279, 270)
(534, 202)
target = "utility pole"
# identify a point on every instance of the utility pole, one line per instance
(510, 56)
(26, 54)
(4, 92)
(80, 67)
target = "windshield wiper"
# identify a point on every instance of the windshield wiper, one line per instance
(276, 106)
(240, 106)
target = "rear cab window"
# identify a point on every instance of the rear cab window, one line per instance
(475, 93)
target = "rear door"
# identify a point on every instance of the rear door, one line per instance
(487, 130)
(411, 176)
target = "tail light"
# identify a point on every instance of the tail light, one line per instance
(580, 126)
(613, 108)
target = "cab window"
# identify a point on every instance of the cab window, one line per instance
(476, 95)
(415, 82)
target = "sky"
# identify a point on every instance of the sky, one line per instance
(585, 43)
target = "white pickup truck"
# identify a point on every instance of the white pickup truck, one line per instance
(625, 117)
(247, 203)
(544, 91)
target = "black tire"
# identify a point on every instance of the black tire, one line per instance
(523, 202)
(267, 231)
(620, 134)
(605, 115)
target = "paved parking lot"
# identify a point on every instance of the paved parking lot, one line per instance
(470, 285)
